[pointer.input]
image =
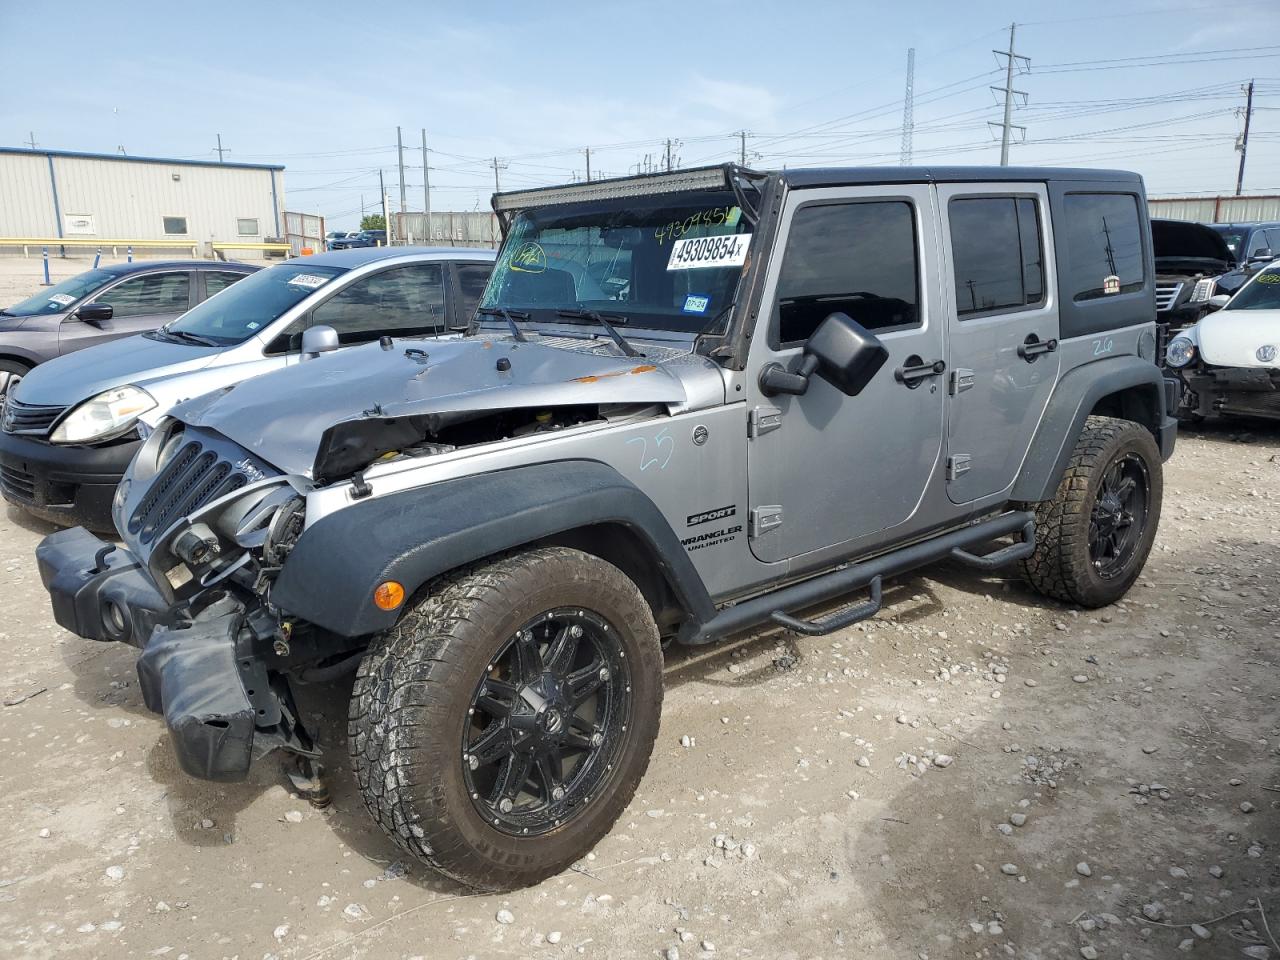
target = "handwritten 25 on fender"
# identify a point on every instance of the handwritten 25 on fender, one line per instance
(694, 252)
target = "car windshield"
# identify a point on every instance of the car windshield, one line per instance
(60, 296)
(250, 305)
(666, 262)
(1232, 238)
(1262, 294)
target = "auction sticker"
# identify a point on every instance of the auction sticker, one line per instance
(308, 280)
(62, 300)
(695, 253)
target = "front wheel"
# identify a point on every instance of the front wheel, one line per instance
(499, 730)
(11, 373)
(1094, 536)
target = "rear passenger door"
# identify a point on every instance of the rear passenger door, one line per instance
(1003, 320)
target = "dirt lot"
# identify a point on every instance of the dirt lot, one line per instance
(799, 802)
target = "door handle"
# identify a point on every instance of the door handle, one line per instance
(1033, 346)
(916, 370)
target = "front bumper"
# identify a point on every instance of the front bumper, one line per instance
(66, 485)
(1239, 391)
(192, 671)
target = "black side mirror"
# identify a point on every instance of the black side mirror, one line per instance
(1265, 255)
(94, 312)
(841, 351)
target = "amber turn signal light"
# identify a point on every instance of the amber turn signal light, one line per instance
(388, 595)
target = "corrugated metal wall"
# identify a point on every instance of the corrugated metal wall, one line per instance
(129, 200)
(474, 228)
(1216, 209)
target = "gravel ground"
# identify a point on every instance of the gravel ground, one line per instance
(974, 773)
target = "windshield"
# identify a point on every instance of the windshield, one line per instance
(248, 306)
(667, 262)
(1262, 294)
(1233, 239)
(60, 296)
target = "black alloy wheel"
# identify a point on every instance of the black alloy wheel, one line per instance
(1119, 515)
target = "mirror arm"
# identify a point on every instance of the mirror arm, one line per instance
(776, 379)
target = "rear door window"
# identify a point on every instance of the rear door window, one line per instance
(1104, 245)
(997, 251)
(215, 280)
(472, 278)
(153, 293)
(858, 258)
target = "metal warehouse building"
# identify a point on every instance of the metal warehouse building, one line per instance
(150, 202)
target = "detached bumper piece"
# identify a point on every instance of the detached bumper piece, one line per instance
(189, 675)
(98, 591)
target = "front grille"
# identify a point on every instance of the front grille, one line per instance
(28, 418)
(196, 475)
(1167, 295)
(18, 484)
(1261, 402)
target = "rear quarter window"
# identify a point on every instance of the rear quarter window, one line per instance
(1104, 246)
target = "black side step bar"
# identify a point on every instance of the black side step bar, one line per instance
(774, 605)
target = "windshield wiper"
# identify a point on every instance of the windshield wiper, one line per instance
(594, 317)
(190, 337)
(509, 316)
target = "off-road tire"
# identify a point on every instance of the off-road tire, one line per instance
(409, 710)
(1061, 567)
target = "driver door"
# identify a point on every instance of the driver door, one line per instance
(825, 469)
(139, 303)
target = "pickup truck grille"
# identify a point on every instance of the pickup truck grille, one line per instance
(27, 418)
(196, 475)
(1167, 295)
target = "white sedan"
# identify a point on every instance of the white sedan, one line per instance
(1229, 361)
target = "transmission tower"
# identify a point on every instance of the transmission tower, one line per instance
(908, 101)
(1022, 64)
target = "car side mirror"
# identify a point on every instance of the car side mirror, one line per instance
(317, 340)
(1265, 255)
(95, 312)
(1218, 301)
(841, 351)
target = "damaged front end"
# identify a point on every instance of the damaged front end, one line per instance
(206, 527)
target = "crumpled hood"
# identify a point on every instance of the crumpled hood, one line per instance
(282, 416)
(1232, 338)
(77, 376)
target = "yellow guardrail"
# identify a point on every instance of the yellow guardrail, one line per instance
(26, 243)
(283, 247)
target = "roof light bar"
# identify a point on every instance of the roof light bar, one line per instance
(646, 184)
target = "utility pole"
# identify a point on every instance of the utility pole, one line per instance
(1008, 126)
(742, 149)
(426, 190)
(497, 187)
(587, 151)
(219, 148)
(400, 155)
(1244, 139)
(908, 107)
(668, 156)
(386, 215)
(31, 139)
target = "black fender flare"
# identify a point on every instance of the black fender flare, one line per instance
(1139, 382)
(416, 535)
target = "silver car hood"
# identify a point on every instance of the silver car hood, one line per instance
(282, 416)
(77, 376)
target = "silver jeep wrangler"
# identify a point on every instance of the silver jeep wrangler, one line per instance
(690, 404)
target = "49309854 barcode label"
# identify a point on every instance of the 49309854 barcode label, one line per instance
(693, 253)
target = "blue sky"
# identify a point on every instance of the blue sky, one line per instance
(321, 86)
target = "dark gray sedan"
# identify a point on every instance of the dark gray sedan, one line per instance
(104, 304)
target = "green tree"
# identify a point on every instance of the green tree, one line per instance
(373, 221)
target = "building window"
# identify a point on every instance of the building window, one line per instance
(175, 226)
(854, 258)
(247, 227)
(995, 244)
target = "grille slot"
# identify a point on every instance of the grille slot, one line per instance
(196, 475)
(1167, 295)
(18, 484)
(29, 418)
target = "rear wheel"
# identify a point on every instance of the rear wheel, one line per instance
(1094, 536)
(501, 728)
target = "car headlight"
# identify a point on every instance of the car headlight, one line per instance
(1180, 352)
(110, 412)
(1203, 290)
